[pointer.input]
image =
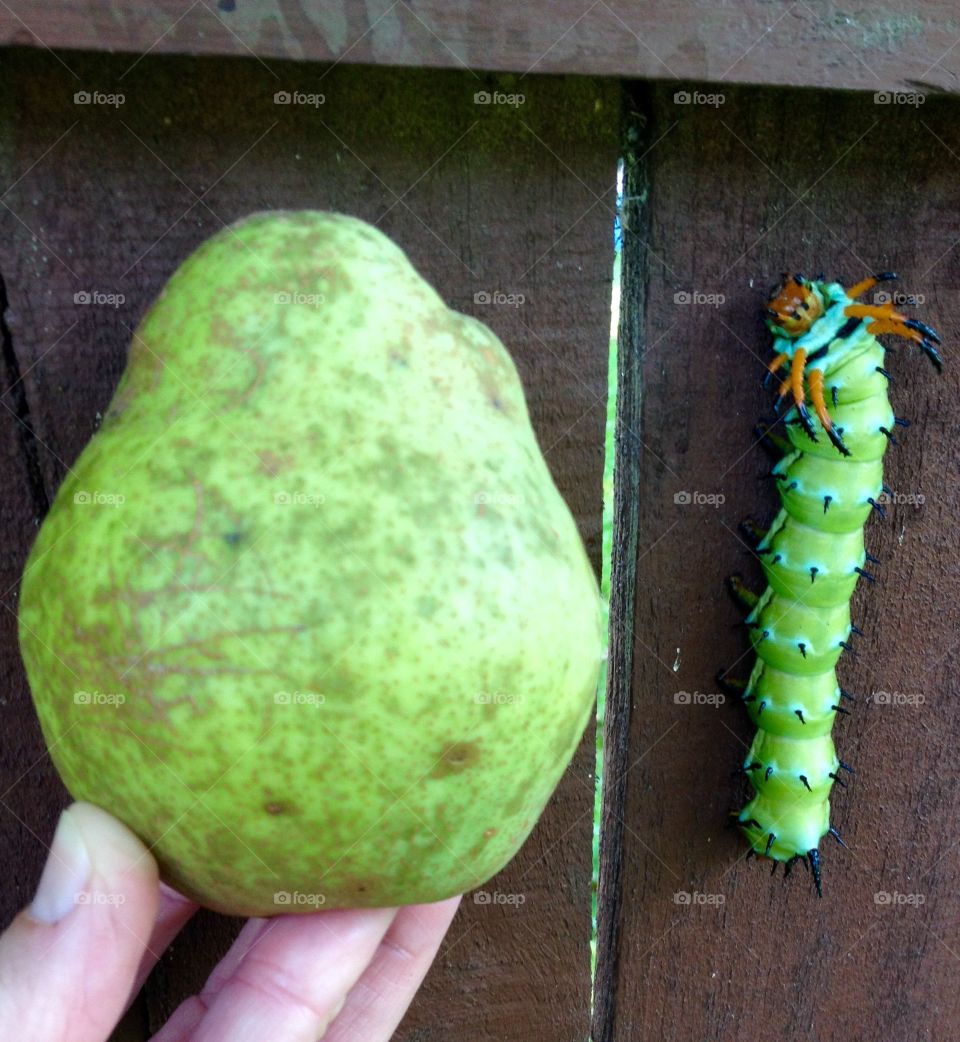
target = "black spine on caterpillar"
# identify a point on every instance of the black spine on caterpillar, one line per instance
(830, 479)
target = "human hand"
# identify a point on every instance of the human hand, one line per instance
(73, 960)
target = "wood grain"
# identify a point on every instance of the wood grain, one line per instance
(698, 943)
(870, 48)
(106, 199)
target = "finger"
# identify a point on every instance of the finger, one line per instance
(174, 913)
(68, 961)
(290, 982)
(224, 969)
(380, 998)
(190, 1012)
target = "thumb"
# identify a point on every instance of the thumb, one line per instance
(68, 961)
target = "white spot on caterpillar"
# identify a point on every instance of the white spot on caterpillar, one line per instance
(676, 662)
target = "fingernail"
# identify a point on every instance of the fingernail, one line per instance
(65, 874)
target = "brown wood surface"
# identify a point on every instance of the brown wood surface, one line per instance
(495, 198)
(870, 47)
(723, 201)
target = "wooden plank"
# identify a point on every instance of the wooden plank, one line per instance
(496, 199)
(30, 791)
(29, 786)
(869, 48)
(805, 181)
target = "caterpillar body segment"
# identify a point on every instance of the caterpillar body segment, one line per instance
(833, 398)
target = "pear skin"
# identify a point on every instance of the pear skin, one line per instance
(309, 614)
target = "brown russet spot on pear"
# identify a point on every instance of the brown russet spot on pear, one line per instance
(455, 758)
(279, 807)
(312, 666)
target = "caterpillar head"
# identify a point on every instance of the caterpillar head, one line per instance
(794, 306)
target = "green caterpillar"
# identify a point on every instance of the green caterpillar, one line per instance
(830, 479)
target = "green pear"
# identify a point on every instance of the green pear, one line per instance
(309, 614)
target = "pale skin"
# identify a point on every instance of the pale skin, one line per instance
(74, 959)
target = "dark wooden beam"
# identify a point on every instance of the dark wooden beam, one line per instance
(754, 41)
